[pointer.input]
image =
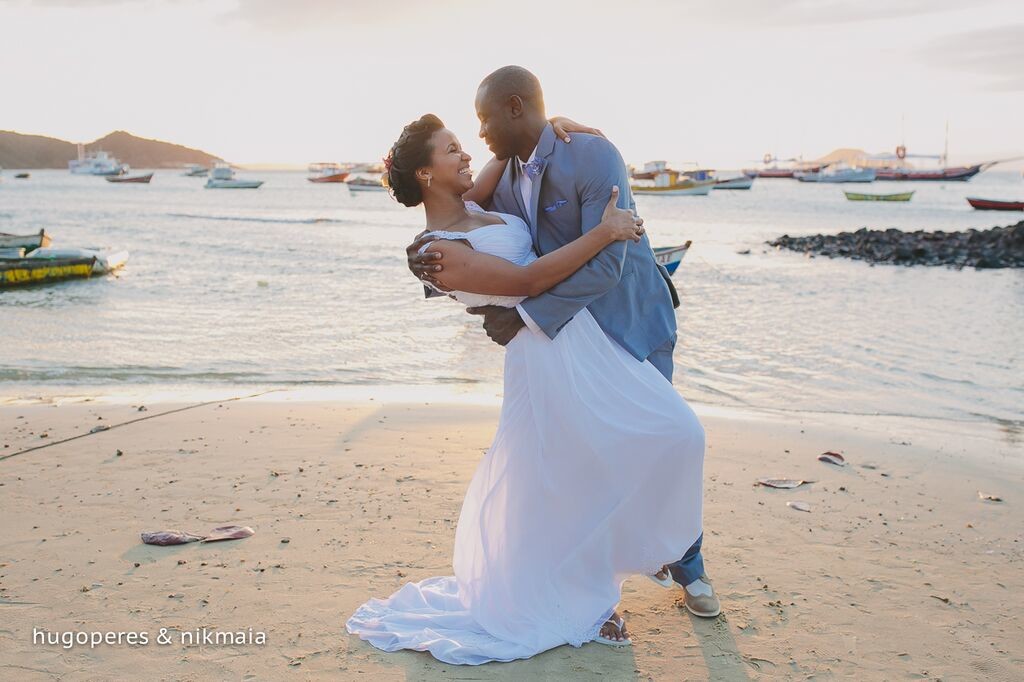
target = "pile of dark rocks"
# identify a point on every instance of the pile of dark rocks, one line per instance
(998, 247)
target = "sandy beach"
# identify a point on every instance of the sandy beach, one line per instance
(899, 571)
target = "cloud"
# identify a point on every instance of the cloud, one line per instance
(995, 54)
(308, 14)
(820, 12)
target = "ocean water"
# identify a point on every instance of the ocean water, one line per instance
(296, 283)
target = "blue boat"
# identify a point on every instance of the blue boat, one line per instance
(670, 256)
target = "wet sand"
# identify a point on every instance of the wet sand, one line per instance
(900, 570)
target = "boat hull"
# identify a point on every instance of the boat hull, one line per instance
(232, 184)
(995, 205)
(22, 271)
(735, 183)
(671, 256)
(901, 196)
(689, 190)
(335, 178)
(136, 179)
(958, 174)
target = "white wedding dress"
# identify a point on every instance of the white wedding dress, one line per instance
(595, 474)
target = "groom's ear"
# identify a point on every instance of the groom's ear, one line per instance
(515, 106)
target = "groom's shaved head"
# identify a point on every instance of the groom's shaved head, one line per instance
(510, 81)
(510, 106)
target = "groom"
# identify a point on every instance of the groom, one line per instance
(560, 190)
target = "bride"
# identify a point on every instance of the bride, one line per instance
(594, 474)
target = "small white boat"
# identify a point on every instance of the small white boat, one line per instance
(194, 170)
(365, 185)
(223, 177)
(742, 182)
(838, 173)
(106, 261)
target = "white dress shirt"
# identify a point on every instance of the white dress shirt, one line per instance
(526, 190)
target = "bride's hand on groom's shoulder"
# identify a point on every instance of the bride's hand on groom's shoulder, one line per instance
(563, 126)
(426, 265)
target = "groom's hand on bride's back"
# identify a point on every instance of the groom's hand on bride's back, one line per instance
(501, 324)
(424, 266)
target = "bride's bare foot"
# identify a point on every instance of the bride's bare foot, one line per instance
(614, 629)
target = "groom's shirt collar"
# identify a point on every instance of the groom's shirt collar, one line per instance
(525, 183)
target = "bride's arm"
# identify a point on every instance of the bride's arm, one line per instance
(480, 273)
(487, 179)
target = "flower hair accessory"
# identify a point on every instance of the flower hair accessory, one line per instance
(389, 160)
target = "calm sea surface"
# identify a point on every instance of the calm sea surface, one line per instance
(337, 305)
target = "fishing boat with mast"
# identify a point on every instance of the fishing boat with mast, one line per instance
(96, 163)
(897, 167)
(771, 168)
(327, 173)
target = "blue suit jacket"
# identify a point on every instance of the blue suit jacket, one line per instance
(625, 290)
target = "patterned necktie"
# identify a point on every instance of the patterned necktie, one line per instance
(533, 168)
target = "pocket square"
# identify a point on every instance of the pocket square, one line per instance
(555, 206)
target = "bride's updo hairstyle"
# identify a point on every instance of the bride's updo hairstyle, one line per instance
(411, 152)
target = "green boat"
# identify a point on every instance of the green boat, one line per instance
(857, 196)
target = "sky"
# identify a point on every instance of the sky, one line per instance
(716, 83)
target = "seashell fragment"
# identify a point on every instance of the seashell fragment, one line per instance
(781, 482)
(169, 537)
(229, 533)
(833, 458)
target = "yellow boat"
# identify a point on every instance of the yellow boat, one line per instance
(18, 271)
(671, 184)
(858, 196)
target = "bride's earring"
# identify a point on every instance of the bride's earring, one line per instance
(428, 181)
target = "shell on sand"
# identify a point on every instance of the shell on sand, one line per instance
(799, 506)
(170, 537)
(833, 458)
(781, 482)
(229, 533)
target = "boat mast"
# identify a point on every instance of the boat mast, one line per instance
(945, 150)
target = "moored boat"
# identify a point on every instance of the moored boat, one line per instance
(672, 184)
(995, 204)
(22, 176)
(194, 170)
(25, 241)
(670, 256)
(838, 173)
(956, 173)
(103, 261)
(96, 163)
(365, 185)
(138, 179)
(18, 271)
(327, 173)
(743, 182)
(857, 196)
(223, 177)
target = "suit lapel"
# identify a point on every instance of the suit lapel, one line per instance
(545, 147)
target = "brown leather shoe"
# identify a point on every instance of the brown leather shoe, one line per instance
(705, 603)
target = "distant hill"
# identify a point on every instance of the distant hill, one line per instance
(36, 151)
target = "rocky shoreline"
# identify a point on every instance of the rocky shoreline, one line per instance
(998, 247)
